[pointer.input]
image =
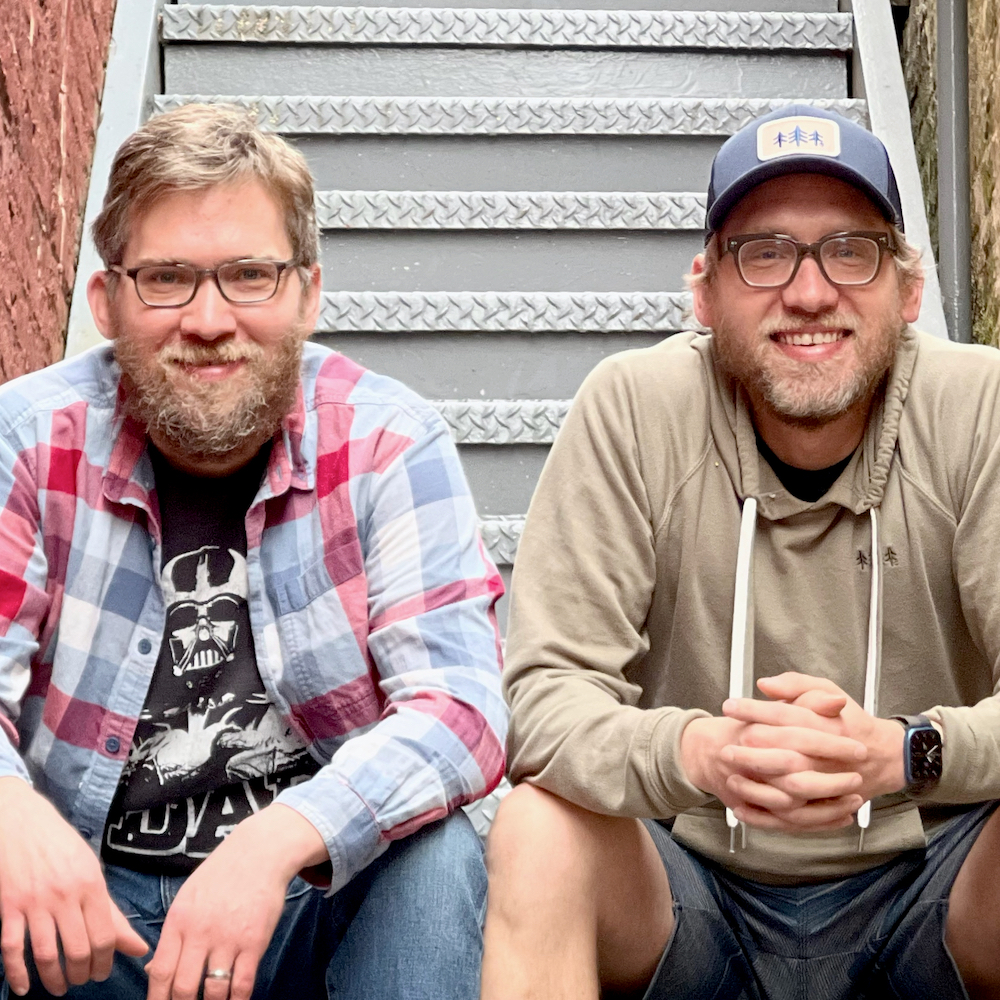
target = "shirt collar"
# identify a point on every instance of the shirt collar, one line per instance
(128, 476)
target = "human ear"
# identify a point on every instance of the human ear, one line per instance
(312, 298)
(701, 292)
(910, 297)
(99, 298)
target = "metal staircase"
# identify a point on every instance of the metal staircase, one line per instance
(506, 195)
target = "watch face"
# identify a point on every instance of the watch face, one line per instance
(925, 755)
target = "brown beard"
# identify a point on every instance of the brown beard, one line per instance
(203, 420)
(803, 392)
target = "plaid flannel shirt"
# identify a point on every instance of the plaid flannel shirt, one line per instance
(371, 600)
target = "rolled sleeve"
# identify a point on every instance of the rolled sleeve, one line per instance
(439, 741)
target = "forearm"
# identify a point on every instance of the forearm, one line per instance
(884, 773)
(279, 838)
(578, 742)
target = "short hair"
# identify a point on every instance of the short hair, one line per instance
(199, 146)
(907, 258)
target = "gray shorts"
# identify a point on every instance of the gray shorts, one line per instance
(874, 936)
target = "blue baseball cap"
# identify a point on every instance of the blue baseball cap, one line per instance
(801, 139)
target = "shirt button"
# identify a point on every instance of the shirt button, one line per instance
(145, 646)
(112, 744)
(85, 833)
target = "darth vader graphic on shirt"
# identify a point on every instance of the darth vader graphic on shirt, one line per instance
(210, 748)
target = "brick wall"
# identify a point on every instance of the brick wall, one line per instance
(52, 55)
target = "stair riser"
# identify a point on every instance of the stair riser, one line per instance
(495, 366)
(511, 163)
(431, 72)
(572, 261)
(502, 478)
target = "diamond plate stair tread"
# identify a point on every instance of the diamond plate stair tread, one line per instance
(505, 116)
(503, 421)
(509, 210)
(497, 312)
(501, 535)
(507, 27)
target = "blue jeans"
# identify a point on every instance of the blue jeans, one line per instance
(408, 927)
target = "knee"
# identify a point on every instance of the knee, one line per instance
(541, 839)
(437, 870)
(449, 850)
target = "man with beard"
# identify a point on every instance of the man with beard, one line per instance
(754, 645)
(248, 640)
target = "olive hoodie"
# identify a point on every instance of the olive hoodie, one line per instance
(623, 597)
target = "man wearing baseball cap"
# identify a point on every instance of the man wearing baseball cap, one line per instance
(754, 643)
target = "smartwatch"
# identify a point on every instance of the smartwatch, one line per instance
(922, 760)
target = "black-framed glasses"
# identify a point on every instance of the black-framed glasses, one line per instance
(770, 260)
(242, 282)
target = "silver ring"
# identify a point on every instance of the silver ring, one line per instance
(218, 974)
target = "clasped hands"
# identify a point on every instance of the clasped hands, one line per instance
(803, 760)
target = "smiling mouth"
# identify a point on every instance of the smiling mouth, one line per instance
(193, 367)
(794, 338)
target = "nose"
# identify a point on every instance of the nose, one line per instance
(809, 291)
(208, 316)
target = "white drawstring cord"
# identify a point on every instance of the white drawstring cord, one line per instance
(874, 659)
(738, 668)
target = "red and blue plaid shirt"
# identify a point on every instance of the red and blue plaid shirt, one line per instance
(371, 600)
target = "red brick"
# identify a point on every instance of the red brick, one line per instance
(52, 56)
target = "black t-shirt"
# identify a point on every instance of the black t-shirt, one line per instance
(210, 749)
(806, 484)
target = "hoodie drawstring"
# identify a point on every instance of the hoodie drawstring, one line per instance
(741, 648)
(873, 664)
(740, 664)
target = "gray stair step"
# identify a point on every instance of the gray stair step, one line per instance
(505, 261)
(567, 163)
(509, 210)
(633, 29)
(502, 477)
(506, 72)
(495, 312)
(455, 116)
(467, 365)
(503, 421)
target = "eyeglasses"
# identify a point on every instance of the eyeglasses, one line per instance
(769, 260)
(242, 282)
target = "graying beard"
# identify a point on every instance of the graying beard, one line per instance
(191, 424)
(815, 411)
(196, 432)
